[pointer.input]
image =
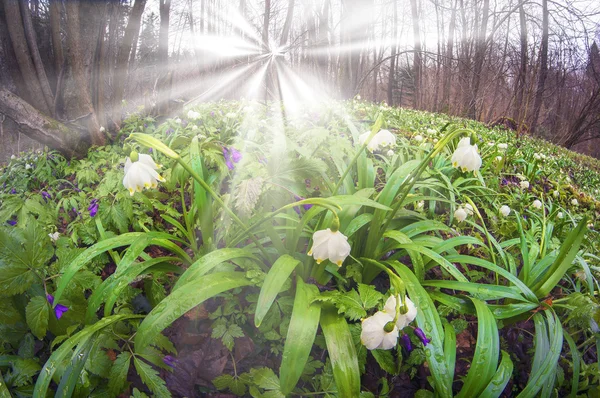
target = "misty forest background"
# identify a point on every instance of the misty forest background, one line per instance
(71, 71)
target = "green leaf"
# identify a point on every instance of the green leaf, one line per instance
(342, 352)
(369, 296)
(37, 314)
(151, 378)
(500, 379)
(300, 335)
(486, 354)
(15, 278)
(386, 360)
(184, 299)
(73, 372)
(3, 390)
(274, 281)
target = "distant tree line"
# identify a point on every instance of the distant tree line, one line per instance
(71, 70)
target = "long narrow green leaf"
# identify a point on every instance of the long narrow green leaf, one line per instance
(66, 349)
(487, 349)
(428, 319)
(563, 261)
(450, 347)
(445, 264)
(525, 270)
(184, 299)
(576, 361)
(300, 336)
(278, 274)
(342, 352)
(487, 292)
(4, 393)
(500, 379)
(206, 263)
(73, 372)
(549, 341)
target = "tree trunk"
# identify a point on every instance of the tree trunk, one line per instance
(121, 70)
(417, 62)
(539, 92)
(68, 141)
(448, 62)
(288, 24)
(81, 93)
(19, 44)
(481, 46)
(392, 75)
(163, 58)
(57, 47)
(518, 114)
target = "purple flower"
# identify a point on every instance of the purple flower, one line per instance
(93, 207)
(150, 150)
(421, 335)
(306, 207)
(13, 191)
(169, 361)
(12, 222)
(169, 131)
(212, 113)
(236, 156)
(60, 309)
(46, 195)
(227, 157)
(405, 342)
(231, 156)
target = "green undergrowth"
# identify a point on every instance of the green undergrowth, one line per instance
(104, 293)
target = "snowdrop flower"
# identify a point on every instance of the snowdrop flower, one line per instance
(331, 245)
(460, 214)
(230, 115)
(418, 138)
(27, 166)
(373, 334)
(420, 205)
(466, 156)
(560, 215)
(502, 146)
(178, 121)
(194, 127)
(390, 153)
(537, 204)
(491, 143)
(505, 210)
(574, 202)
(193, 115)
(141, 174)
(102, 129)
(357, 97)
(430, 131)
(403, 319)
(54, 236)
(524, 184)
(498, 158)
(556, 194)
(469, 209)
(435, 140)
(382, 139)
(13, 157)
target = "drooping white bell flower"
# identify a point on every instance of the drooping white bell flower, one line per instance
(505, 210)
(330, 245)
(54, 236)
(403, 319)
(560, 215)
(460, 214)
(418, 138)
(13, 157)
(556, 194)
(390, 153)
(468, 209)
(524, 184)
(466, 156)
(193, 115)
(141, 174)
(382, 139)
(574, 202)
(498, 158)
(502, 146)
(537, 204)
(373, 334)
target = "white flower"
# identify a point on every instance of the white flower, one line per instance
(574, 202)
(141, 174)
(13, 157)
(418, 138)
(460, 214)
(539, 156)
(382, 139)
(178, 121)
(102, 129)
(193, 115)
(194, 127)
(537, 204)
(357, 97)
(390, 153)
(491, 143)
(560, 215)
(403, 319)
(556, 194)
(524, 184)
(27, 166)
(502, 146)
(435, 140)
(373, 336)
(230, 115)
(590, 225)
(498, 158)
(330, 245)
(466, 156)
(469, 209)
(430, 131)
(420, 205)
(54, 236)
(505, 210)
